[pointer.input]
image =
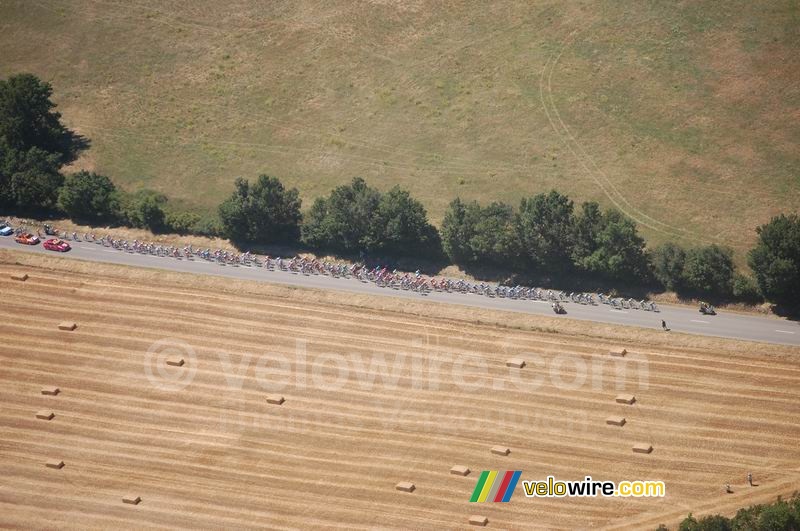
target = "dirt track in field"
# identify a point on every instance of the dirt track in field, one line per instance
(216, 454)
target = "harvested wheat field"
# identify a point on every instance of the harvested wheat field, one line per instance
(384, 397)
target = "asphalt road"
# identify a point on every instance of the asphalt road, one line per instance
(730, 325)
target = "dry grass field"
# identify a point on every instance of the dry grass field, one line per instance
(683, 114)
(216, 454)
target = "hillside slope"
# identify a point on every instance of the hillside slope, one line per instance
(683, 115)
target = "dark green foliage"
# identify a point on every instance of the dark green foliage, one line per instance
(29, 179)
(706, 523)
(87, 196)
(456, 232)
(342, 221)
(689, 524)
(33, 144)
(208, 225)
(400, 227)
(778, 516)
(27, 119)
(668, 261)
(181, 221)
(617, 252)
(145, 210)
(495, 239)
(775, 260)
(745, 289)
(587, 225)
(709, 270)
(545, 231)
(358, 218)
(473, 235)
(150, 214)
(264, 212)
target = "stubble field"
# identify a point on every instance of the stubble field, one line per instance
(383, 396)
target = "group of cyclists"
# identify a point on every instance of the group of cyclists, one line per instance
(381, 276)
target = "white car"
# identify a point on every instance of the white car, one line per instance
(6, 230)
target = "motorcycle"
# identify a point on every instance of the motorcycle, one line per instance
(707, 309)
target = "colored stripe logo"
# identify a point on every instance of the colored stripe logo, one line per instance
(495, 486)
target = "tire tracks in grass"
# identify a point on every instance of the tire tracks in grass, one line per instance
(589, 163)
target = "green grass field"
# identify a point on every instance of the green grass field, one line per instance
(685, 115)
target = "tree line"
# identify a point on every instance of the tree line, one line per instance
(781, 515)
(544, 236)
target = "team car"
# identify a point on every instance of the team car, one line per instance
(54, 244)
(6, 230)
(26, 238)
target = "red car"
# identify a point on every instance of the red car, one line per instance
(26, 238)
(54, 244)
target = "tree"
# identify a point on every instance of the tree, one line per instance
(472, 235)
(457, 229)
(709, 270)
(234, 214)
(545, 230)
(33, 144)
(264, 212)
(400, 226)
(668, 262)
(778, 516)
(89, 196)
(619, 250)
(494, 240)
(27, 119)
(30, 179)
(151, 214)
(587, 225)
(343, 221)
(775, 260)
(707, 523)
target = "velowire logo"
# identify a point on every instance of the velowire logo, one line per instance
(495, 486)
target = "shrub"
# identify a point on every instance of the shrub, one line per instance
(208, 225)
(144, 210)
(181, 222)
(746, 289)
